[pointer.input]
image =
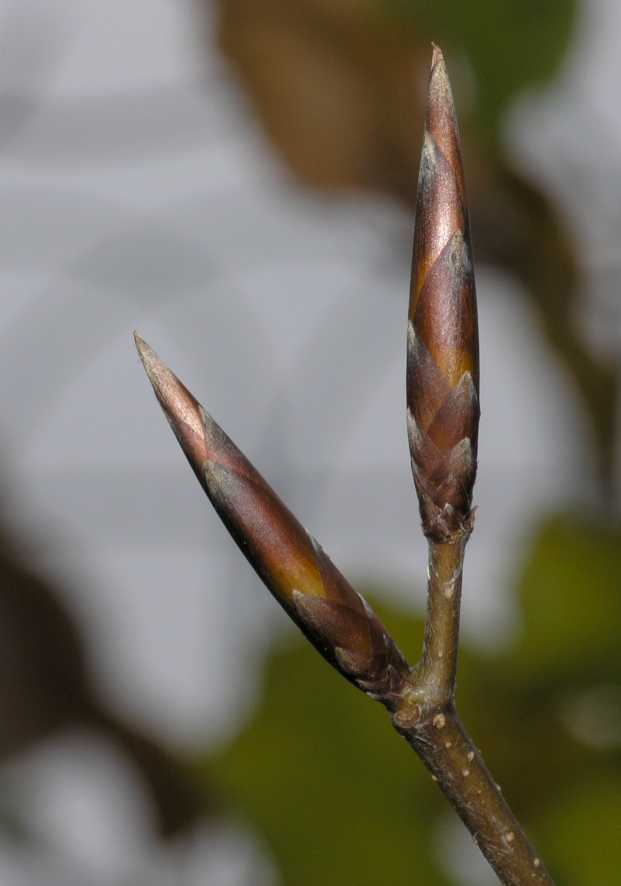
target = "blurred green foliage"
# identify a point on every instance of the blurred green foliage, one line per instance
(511, 46)
(571, 596)
(582, 831)
(338, 798)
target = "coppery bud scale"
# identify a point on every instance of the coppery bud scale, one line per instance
(293, 566)
(442, 357)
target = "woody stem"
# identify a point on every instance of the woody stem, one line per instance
(428, 720)
(455, 763)
(438, 667)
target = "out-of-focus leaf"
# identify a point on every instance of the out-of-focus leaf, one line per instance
(46, 688)
(546, 714)
(582, 832)
(334, 85)
(334, 791)
(570, 591)
(518, 228)
(335, 82)
(336, 795)
(511, 46)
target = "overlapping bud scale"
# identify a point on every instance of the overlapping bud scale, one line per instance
(442, 359)
(293, 566)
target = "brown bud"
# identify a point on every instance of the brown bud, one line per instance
(442, 358)
(334, 617)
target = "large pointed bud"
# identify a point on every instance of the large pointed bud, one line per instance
(334, 617)
(442, 360)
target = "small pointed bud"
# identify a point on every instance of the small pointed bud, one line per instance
(293, 566)
(442, 356)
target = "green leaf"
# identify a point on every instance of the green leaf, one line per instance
(582, 833)
(320, 775)
(511, 46)
(570, 591)
(335, 793)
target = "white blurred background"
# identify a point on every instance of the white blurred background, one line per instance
(136, 191)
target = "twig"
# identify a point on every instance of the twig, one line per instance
(429, 722)
(438, 666)
(443, 414)
(443, 421)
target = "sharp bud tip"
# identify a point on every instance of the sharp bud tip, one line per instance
(156, 370)
(153, 366)
(437, 56)
(181, 408)
(144, 351)
(439, 83)
(441, 119)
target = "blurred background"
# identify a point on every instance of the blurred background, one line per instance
(235, 179)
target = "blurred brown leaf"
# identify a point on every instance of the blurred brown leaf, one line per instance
(45, 689)
(335, 87)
